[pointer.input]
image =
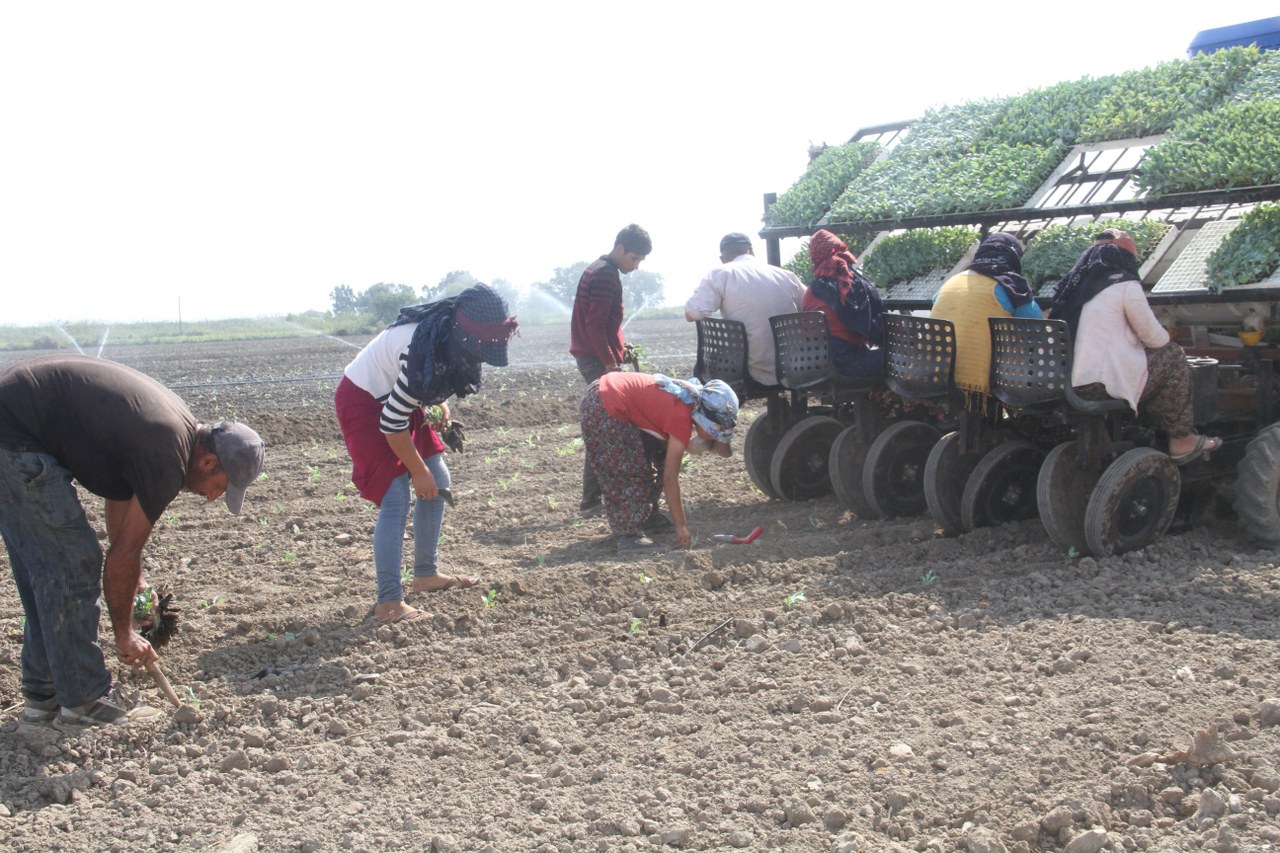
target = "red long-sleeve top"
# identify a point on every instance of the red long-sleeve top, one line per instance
(596, 327)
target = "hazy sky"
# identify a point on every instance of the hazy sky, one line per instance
(247, 157)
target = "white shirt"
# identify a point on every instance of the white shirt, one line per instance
(750, 291)
(379, 369)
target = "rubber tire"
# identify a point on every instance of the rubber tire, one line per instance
(1002, 485)
(757, 453)
(799, 470)
(845, 470)
(1062, 495)
(1257, 501)
(945, 473)
(893, 474)
(1133, 502)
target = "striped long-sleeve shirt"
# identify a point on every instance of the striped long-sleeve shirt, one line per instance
(596, 328)
(379, 368)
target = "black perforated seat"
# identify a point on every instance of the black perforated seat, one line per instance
(920, 357)
(723, 354)
(1031, 367)
(804, 356)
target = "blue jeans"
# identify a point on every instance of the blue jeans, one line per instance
(388, 533)
(57, 566)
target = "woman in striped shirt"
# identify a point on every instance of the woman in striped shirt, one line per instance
(432, 352)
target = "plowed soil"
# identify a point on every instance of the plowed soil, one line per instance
(839, 685)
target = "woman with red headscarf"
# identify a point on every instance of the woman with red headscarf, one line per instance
(855, 313)
(1120, 350)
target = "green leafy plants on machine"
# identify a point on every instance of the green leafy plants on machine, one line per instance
(1250, 253)
(811, 195)
(918, 252)
(1052, 253)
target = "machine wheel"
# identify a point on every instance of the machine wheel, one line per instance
(845, 470)
(799, 468)
(1002, 485)
(1133, 502)
(1062, 494)
(945, 473)
(757, 453)
(1258, 487)
(893, 474)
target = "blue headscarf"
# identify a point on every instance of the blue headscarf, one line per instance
(715, 406)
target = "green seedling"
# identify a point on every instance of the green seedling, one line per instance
(262, 478)
(262, 520)
(531, 440)
(22, 623)
(643, 578)
(290, 557)
(340, 497)
(577, 523)
(510, 481)
(929, 578)
(296, 531)
(552, 502)
(794, 598)
(567, 449)
(541, 560)
(490, 598)
(313, 472)
(192, 699)
(406, 574)
(1072, 553)
(636, 628)
(209, 602)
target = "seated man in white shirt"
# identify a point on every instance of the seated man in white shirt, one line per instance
(746, 289)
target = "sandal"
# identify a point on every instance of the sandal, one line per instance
(1204, 444)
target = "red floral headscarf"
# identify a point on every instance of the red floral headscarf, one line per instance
(831, 257)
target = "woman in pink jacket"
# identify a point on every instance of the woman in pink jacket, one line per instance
(1121, 350)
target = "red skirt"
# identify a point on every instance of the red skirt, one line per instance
(373, 463)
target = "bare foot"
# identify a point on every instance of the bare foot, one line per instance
(436, 583)
(389, 612)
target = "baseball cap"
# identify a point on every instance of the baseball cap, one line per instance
(240, 452)
(735, 239)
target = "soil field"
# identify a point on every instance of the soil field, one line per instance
(838, 685)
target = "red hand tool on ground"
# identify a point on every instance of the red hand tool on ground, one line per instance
(738, 540)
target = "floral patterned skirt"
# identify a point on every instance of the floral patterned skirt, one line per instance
(624, 463)
(1166, 398)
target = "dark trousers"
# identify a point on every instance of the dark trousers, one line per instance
(591, 369)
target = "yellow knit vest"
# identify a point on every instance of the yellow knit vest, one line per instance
(967, 300)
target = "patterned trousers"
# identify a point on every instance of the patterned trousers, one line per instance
(1166, 398)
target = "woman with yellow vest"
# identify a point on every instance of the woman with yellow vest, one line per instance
(991, 286)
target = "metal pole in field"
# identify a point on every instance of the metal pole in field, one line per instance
(773, 246)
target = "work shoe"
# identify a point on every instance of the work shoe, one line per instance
(658, 523)
(115, 708)
(593, 511)
(631, 545)
(39, 710)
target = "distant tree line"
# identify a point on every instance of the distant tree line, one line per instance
(380, 303)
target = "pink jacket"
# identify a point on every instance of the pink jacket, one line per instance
(1116, 328)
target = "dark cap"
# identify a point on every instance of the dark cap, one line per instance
(482, 325)
(240, 453)
(734, 239)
